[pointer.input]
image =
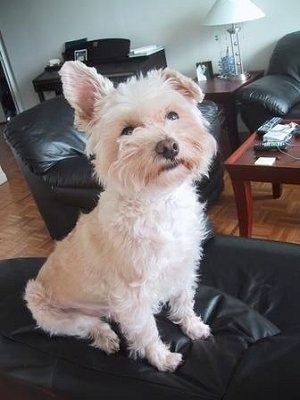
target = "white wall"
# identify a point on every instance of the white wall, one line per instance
(35, 30)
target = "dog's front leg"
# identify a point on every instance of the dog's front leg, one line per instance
(182, 313)
(140, 329)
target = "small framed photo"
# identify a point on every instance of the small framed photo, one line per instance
(80, 55)
(204, 70)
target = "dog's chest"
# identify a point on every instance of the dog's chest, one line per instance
(164, 244)
(156, 234)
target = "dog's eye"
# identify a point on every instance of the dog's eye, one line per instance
(128, 130)
(172, 115)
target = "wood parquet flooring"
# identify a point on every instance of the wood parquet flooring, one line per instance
(23, 232)
(276, 219)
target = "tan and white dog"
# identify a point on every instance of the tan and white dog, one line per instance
(140, 247)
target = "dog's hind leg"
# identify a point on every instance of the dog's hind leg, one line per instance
(65, 321)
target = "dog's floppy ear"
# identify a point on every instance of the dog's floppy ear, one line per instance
(183, 84)
(82, 86)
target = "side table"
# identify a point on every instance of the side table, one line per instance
(47, 81)
(223, 91)
(243, 170)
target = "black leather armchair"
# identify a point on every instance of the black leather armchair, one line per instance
(249, 295)
(50, 152)
(278, 92)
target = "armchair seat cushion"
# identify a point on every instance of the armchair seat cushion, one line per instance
(276, 93)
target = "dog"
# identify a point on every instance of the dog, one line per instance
(140, 247)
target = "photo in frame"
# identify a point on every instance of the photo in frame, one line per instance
(80, 55)
(204, 70)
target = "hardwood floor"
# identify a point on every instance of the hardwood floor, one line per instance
(272, 219)
(22, 230)
(23, 233)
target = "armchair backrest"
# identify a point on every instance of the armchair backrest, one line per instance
(285, 59)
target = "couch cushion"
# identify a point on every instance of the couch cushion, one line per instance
(276, 93)
(71, 366)
(294, 112)
(269, 370)
(264, 274)
(45, 134)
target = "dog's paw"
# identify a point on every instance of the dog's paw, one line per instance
(196, 329)
(108, 342)
(164, 360)
(173, 360)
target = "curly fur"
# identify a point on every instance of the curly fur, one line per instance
(139, 248)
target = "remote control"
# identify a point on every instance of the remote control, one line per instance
(262, 146)
(268, 125)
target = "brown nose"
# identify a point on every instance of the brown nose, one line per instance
(168, 148)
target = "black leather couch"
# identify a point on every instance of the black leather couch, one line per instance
(278, 92)
(249, 295)
(50, 152)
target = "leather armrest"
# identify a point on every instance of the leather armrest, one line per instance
(44, 135)
(211, 113)
(276, 93)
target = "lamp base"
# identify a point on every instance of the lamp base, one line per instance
(236, 77)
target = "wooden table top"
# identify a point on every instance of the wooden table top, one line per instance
(241, 162)
(219, 85)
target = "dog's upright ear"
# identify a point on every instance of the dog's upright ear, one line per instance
(83, 87)
(183, 84)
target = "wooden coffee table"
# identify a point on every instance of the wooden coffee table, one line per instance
(242, 171)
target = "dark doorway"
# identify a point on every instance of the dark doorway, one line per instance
(6, 99)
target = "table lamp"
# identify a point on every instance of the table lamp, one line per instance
(231, 12)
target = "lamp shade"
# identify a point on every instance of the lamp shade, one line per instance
(225, 12)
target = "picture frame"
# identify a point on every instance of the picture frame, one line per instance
(80, 55)
(204, 70)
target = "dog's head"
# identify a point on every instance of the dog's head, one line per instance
(147, 131)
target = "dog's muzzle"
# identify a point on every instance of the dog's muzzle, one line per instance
(167, 148)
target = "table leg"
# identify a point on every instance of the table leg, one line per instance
(277, 190)
(41, 96)
(244, 205)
